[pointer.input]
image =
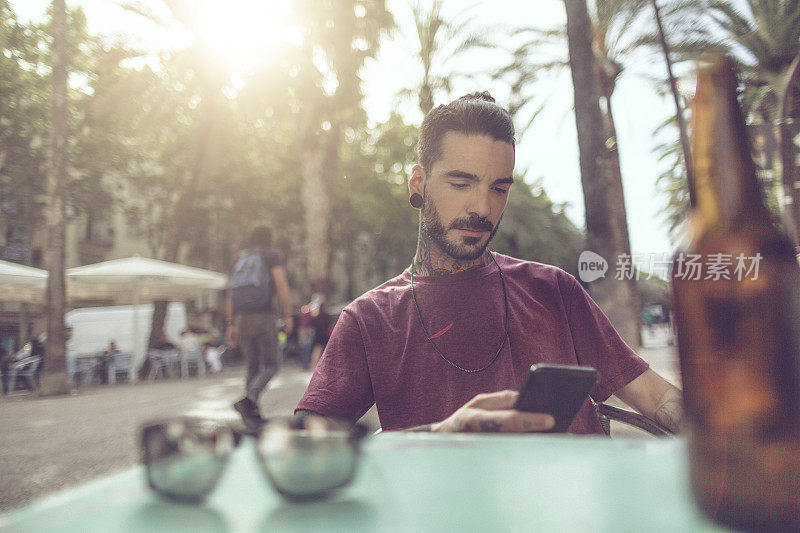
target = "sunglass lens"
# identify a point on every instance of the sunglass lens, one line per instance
(306, 463)
(185, 460)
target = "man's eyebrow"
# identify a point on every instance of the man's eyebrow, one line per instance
(468, 175)
(461, 174)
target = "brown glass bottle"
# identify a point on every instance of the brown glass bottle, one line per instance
(738, 338)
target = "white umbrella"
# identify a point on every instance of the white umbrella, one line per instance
(19, 283)
(138, 279)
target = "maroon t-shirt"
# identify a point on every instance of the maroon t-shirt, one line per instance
(378, 352)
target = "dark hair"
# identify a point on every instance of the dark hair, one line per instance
(261, 236)
(472, 114)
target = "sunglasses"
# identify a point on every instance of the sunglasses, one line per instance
(303, 458)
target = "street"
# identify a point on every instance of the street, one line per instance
(47, 444)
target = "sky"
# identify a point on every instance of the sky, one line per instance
(548, 149)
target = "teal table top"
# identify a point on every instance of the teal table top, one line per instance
(414, 482)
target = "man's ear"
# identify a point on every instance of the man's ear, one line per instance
(416, 180)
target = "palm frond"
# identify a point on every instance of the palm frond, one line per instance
(142, 9)
(729, 18)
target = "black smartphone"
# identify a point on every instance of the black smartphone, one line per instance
(558, 390)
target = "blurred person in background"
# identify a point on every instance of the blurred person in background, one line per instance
(318, 322)
(212, 349)
(189, 341)
(105, 358)
(256, 275)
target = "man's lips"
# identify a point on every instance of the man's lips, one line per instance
(472, 232)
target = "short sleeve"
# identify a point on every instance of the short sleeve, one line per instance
(341, 385)
(273, 257)
(598, 344)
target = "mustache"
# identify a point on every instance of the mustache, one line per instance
(474, 222)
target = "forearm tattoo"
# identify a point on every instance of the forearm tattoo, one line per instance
(670, 413)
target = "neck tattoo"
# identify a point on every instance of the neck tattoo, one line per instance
(428, 263)
(436, 349)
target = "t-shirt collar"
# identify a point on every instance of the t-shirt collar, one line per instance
(471, 274)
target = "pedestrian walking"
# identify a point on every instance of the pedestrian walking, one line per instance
(256, 275)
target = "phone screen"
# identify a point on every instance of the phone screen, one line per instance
(558, 390)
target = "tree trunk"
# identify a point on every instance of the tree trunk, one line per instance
(54, 371)
(425, 98)
(319, 163)
(686, 149)
(180, 217)
(788, 152)
(606, 218)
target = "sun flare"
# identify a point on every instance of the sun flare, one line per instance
(245, 32)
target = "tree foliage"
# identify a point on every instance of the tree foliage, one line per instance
(134, 133)
(442, 42)
(763, 37)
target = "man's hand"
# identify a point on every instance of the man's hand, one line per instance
(494, 412)
(232, 335)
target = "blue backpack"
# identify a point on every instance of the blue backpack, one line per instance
(251, 284)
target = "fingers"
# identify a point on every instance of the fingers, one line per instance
(503, 399)
(505, 421)
(494, 413)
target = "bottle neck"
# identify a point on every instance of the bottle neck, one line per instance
(727, 190)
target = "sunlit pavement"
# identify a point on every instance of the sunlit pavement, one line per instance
(47, 444)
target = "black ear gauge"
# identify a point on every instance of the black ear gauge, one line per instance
(415, 200)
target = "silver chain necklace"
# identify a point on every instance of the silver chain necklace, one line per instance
(427, 335)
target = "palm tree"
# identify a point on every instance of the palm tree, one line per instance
(766, 41)
(54, 376)
(763, 36)
(606, 219)
(615, 33)
(440, 43)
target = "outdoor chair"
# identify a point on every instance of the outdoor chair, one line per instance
(609, 413)
(193, 357)
(121, 362)
(82, 367)
(166, 362)
(26, 369)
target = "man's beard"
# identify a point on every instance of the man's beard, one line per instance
(433, 229)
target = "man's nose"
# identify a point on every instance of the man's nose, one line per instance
(480, 204)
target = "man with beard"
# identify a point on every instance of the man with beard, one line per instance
(445, 345)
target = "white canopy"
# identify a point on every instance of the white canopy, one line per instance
(138, 279)
(19, 283)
